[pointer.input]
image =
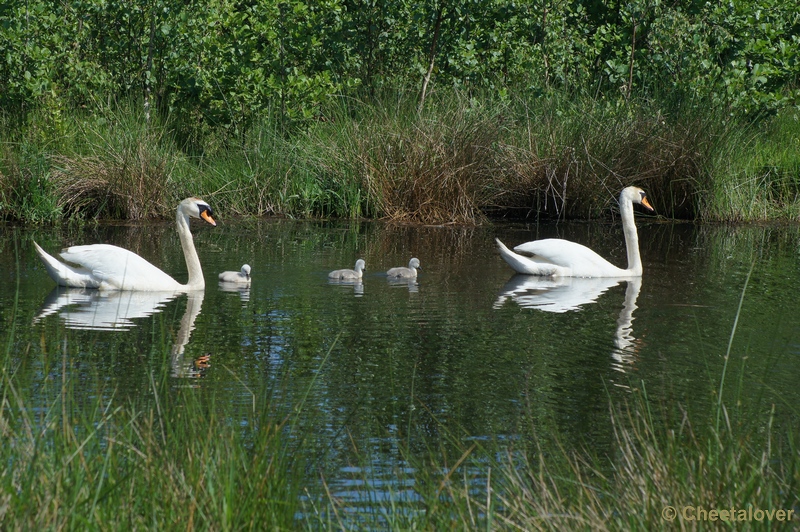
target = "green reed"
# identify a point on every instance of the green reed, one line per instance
(659, 463)
(756, 170)
(169, 458)
(460, 159)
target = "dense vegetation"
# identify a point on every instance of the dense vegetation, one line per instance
(350, 108)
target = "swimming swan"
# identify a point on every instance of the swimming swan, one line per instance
(562, 258)
(110, 267)
(405, 273)
(349, 275)
(241, 277)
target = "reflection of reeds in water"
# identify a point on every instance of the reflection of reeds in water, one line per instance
(454, 244)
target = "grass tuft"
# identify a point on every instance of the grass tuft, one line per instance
(123, 169)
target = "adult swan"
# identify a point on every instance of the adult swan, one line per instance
(110, 267)
(562, 258)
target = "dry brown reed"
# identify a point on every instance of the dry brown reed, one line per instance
(126, 185)
(576, 167)
(432, 173)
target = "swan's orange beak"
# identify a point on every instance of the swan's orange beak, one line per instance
(207, 217)
(647, 204)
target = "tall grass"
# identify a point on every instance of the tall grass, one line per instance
(124, 167)
(654, 468)
(571, 158)
(757, 172)
(26, 193)
(660, 461)
(435, 166)
(167, 460)
(459, 159)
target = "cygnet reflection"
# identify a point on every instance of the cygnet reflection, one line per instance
(357, 284)
(236, 288)
(411, 284)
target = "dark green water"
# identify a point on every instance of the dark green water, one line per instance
(468, 352)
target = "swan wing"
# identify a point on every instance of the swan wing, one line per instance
(233, 277)
(528, 265)
(66, 275)
(344, 274)
(581, 261)
(116, 268)
(401, 273)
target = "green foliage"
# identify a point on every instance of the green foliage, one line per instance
(225, 64)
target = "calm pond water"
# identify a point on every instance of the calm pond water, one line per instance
(469, 351)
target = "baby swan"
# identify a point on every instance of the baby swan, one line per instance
(405, 273)
(349, 275)
(241, 277)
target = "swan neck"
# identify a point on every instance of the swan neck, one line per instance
(196, 280)
(631, 237)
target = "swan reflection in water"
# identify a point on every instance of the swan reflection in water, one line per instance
(568, 294)
(357, 284)
(90, 309)
(626, 346)
(554, 294)
(192, 368)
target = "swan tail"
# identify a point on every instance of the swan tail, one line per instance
(524, 265)
(63, 274)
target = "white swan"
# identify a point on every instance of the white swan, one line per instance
(349, 275)
(562, 258)
(405, 273)
(241, 277)
(110, 267)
